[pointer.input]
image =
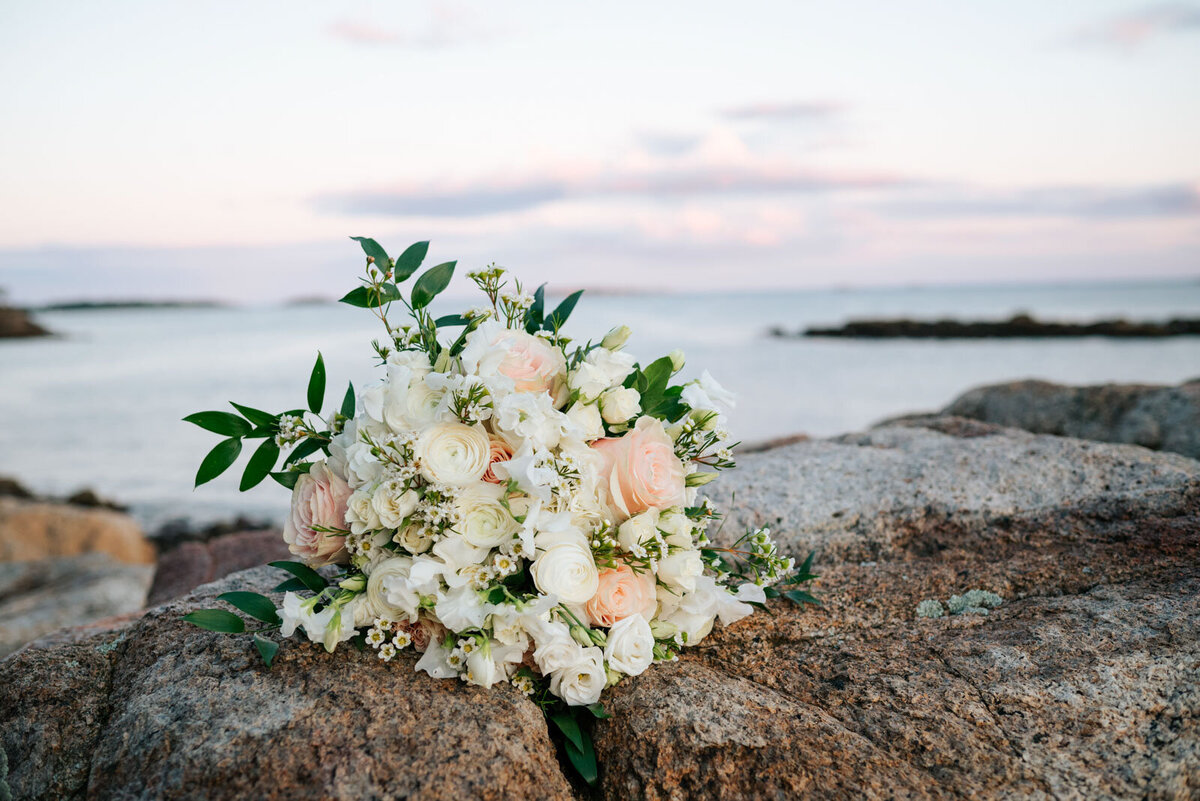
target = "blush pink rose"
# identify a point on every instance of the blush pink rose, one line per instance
(531, 362)
(622, 593)
(501, 452)
(319, 499)
(641, 470)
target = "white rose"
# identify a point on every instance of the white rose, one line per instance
(581, 683)
(453, 453)
(481, 669)
(630, 645)
(360, 513)
(483, 520)
(678, 528)
(568, 571)
(414, 538)
(555, 648)
(392, 503)
(634, 533)
(680, 570)
(619, 404)
(586, 417)
(389, 593)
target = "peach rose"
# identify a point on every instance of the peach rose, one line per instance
(533, 364)
(318, 500)
(622, 593)
(501, 452)
(641, 469)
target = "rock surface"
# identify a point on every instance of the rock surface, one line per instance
(37, 598)
(17, 323)
(31, 530)
(190, 564)
(1084, 683)
(1158, 417)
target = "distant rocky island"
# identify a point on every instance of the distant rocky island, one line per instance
(18, 323)
(1021, 325)
(93, 305)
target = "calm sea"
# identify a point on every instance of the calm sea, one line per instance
(100, 406)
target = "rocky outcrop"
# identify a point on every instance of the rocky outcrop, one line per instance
(18, 323)
(1021, 325)
(1158, 417)
(1081, 684)
(192, 563)
(37, 598)
(32, 530)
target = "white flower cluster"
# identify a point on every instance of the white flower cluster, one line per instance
(519, 510)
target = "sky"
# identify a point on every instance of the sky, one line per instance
(227, 150)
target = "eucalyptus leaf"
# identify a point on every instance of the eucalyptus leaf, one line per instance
(410, 260)
(256, 606)
(431, 283)
(218, 460)
(216, 620)
(226, 424)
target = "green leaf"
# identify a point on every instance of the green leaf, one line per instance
(266, 649)
(305, 448)
(311, 578)
(410, 260)
(583, 759)
(431, 283)
(223, 423)
(372, 249)
(260, 464)
(657, 374)
(216, 620)
(291, 585)
(801, 597)
(316, 385)
(256, 606)
(256, 416)
(534, 314)
(567, 724)
(347, 409)
(449, 320)
(365, 297)
(218, 460)
(599, 711)
(287, 478)
(559, 315)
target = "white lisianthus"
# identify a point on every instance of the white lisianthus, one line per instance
(582, 682)
(483, 520)
(588, 380)
(416, 361)
(392, 503)
(586, 418)
(616, 338)
(481, 669)
(706, 393)
(389, 593)
(630, 645)
(362, 468)
(619, 404)
(615, 365)
(360, 513)
(680, 570)
(634, 533)
(555, 647)
(291, 613)
(453, 453)
(678, 528)
(566, 570)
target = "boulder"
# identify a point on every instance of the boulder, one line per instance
(39, 597)
(18, 323)
(32, 530)
(1159, 417)
(1082, 683)
(192, 563)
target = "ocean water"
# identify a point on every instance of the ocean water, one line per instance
(100, 406)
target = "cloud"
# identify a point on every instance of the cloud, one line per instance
(666, 144)
(445, 24)
(1136, 28)
(785, 112)
(1080, 202)
(490, 196)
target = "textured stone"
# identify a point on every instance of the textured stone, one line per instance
(192, 563)
(161, 709)
(37, 598)
(1158, 417)
(38, 530)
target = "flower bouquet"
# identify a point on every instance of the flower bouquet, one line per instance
(514, 505)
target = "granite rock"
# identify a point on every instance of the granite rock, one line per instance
(31, 530)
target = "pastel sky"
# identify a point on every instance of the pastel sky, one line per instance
(227, 149)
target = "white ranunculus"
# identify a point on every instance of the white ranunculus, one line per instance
(453, 453)
(392, 503)
(415, 538)
(389, 593)
(581, 683)
(630, 645)
(481, 669)
(483, 520)
(678, 528)
(679, 570)
(586, 418)
(619, 404)
(421, 406)
(360, 513)
(638, 530)
(589, 381)
(568, 571)
(615, 365)
(555, 647)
